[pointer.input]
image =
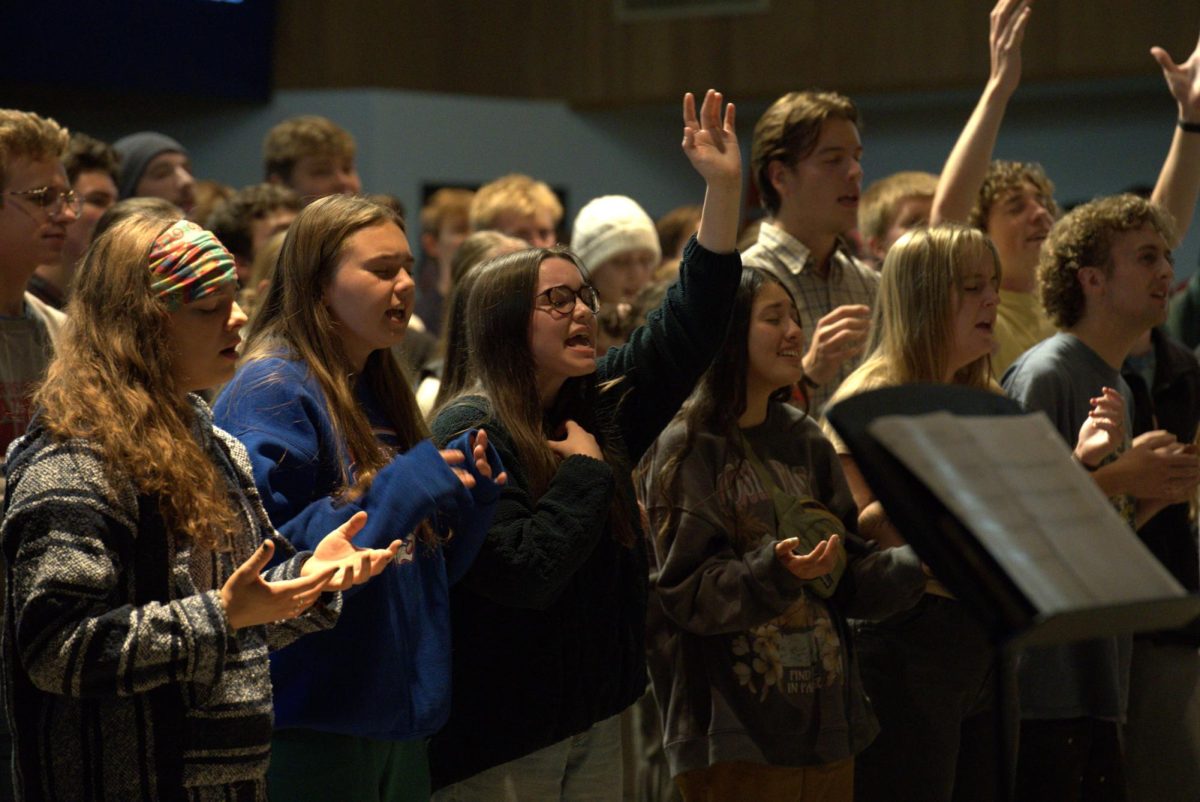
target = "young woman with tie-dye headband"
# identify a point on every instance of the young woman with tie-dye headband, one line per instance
(137, 619)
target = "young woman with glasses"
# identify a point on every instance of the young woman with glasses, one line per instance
(549, 622)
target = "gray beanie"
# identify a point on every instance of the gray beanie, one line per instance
(136, 151)
(609, 225)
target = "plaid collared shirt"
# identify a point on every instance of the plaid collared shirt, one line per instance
(850, 281)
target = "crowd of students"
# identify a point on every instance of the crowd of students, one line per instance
(286, 515)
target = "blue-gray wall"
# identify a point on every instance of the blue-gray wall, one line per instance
(1092, 138)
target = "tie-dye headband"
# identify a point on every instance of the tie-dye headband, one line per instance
(188, 263)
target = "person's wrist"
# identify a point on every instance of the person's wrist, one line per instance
(999, 89)
(1189, 126)
(725, 182)
(224, 600)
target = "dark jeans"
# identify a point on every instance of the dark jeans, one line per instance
(930, 674)
(1070, 760)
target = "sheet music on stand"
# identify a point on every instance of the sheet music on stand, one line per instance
(1012, 482)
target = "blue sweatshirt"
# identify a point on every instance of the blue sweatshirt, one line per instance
(384, 671)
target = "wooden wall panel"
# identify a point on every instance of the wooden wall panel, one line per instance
(578, 51)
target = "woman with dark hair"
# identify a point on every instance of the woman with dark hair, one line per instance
(549, 623)
(332, 426)
(758, 568)
(136, 622)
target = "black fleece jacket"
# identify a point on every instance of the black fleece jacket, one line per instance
(549, 622)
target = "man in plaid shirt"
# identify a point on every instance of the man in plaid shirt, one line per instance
(806, 161)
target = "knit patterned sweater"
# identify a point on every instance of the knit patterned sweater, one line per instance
(122, 677)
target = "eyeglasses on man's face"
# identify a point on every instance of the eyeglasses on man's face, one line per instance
(562, 299)
(52, 199)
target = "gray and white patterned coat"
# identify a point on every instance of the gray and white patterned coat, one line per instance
(122, 677)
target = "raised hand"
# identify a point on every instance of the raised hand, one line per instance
(1104, 430)
(350, 564)
(479, 454)
(1005, 35)
(578, 440)
(840, 335)
(1183, 80)
(250, 600)
(710, 143)
(818, 562)
(967, 164)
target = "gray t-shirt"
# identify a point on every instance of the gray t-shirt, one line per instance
(25, 351)
(1059, 376)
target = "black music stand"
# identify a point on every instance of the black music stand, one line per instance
(998, 597)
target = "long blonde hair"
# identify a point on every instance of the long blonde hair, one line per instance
(911, 326)
(111, 384)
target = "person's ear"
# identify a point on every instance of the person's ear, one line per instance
(777, 174)
(1091, 280)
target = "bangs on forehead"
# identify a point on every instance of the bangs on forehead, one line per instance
(974, 250)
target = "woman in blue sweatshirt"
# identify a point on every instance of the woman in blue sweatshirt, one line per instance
(332, 427)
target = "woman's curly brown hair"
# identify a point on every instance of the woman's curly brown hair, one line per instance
(1084, 238)
(111, 384)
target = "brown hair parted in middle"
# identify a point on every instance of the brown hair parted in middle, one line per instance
(294, 323)
(500, 307)
(910, 327)
(788, 131)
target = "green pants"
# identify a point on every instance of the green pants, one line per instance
(311, 766)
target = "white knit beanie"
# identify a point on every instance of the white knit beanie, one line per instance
(608, 225)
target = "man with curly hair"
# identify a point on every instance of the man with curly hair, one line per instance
(249, 218)
(36, 207)
(1013, 201)
(1104, 276)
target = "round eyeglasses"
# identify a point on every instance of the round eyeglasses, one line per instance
(562, 298)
